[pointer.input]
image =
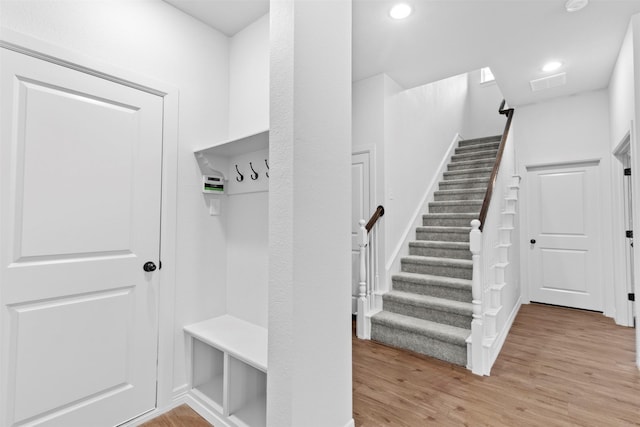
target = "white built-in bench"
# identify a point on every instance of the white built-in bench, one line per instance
(229, 369)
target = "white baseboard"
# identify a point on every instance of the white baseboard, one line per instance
(205, 412)
(494, 346)
(175, 402)
(351, 423)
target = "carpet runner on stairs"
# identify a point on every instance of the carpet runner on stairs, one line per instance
(429, 307)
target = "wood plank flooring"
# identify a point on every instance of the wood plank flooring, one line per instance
(182, 416)
(558, 367)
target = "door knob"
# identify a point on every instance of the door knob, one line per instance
(149, 266)
(533, 241)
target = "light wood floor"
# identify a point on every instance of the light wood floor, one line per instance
(182, 416)
(558, 367)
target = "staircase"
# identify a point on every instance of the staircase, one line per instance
(429, 308)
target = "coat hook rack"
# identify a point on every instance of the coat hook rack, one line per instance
(254, 175)
(240, 176)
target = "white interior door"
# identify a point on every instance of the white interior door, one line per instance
(80, 169)
(360, 209)
(564, 262)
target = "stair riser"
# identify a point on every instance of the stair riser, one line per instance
(470, 195)
(428, 313)
(440, 252)
(465, 208)
(486, 174)
(445, 222)
(446, 292)
(446, 236)
(480, 155)
(437, 270)
(470, 165)
(420, 344)
(444, 185)
(477, 147)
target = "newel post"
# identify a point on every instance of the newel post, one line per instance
(363, 240)
(477, 332)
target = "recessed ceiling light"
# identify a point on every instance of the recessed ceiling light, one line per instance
(400, 11)
(575, 5)
(551, 66)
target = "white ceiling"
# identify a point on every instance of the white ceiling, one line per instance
(448, 37)
(227, 16)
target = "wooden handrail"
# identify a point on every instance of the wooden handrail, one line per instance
(374, 218)
(494, 172)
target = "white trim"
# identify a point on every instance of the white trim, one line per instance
(205, 412)
(623, 313)
(494, 346)
(567, 164)
(350, 423)
(393, 264)
(166, 284)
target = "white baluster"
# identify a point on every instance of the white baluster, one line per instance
(362, 285)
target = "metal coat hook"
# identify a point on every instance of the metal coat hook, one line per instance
(239, 178)
(266, 162)
(254, 175)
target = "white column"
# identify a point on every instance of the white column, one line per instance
(477, 331)
(309, 373)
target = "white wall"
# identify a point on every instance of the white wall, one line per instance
(481, 114)
(621, 91)
(247, 214)
(249, 79)
(568, 129)
(420, 124)
(153, 39)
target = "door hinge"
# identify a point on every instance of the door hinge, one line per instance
(627, 171)
(159, 265)
(629, 234)
(632, 297)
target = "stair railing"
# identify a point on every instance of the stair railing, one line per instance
(479, 362)
(368, 274)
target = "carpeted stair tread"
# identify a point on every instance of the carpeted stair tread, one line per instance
(439, 286)
(450, 216)
(443, 229)
(460, 194)
(429, 279)
(461, 184)
(475, 155)
(468, 173)
(471, 164)
(458, 249)
(483, 140)
(445, 333)
(478, 147)
(437, 266)
(437, 261)
(443, 233)
(438, 244)
(456, 206)
(442, 304)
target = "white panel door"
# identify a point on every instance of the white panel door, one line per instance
(564, 261)
(360, 209)
(80, 168)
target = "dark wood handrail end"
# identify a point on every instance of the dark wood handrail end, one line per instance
(374, 218)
